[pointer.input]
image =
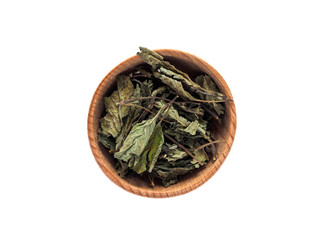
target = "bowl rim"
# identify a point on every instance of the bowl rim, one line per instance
(176, 190)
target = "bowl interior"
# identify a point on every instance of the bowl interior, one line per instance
(193, 66)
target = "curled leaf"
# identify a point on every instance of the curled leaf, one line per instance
(168, 73)
(128, 122)
(136, 140)
(175, 86)
(201, 155)
(111, 124)
(169, 172)
(173, 153)
(106, 141)
(206, 82)
(151, 152)
(192, 127)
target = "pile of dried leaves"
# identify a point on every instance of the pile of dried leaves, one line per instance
(156, 122)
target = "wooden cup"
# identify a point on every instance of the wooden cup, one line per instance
(194, 66)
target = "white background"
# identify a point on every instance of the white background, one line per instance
(53, 55)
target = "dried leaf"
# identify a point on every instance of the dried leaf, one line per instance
(136, 140)
(169, 173)
(151, 152)
(190, 112)
(112, 122)
(174, 153)
(175, 86)
(206, 82)
(164, 68)
(106, 141)
(128, 122)
(183, 123)
(179, 136)
(168, 182)
(172, 113)
(201, 155)
(155, 145)
(192, 127)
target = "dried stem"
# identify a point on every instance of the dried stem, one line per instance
(167, 108)
(143, 85)
(151, 181)
(207, 144)
(168, 100)
(122, 167)
(184, 108)
(183, 148)
(212, 113)
(144, 114)
(138, 106)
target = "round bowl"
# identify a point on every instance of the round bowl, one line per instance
(193, 66)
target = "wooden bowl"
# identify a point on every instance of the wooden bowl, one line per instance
(226, 130)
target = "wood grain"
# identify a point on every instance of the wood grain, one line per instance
(137, 185)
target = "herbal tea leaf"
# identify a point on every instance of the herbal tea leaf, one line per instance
(155, 145)
(175, 86)
(136, 140)
(151, 53)
(206, 82)
(106, 141)
(128, 122)
(173, 153)
(169, 173)
(201, 155)
(192, 127)
(167, 71)
(151, 151)
(184, 123)
(172, 113)
(112, 122)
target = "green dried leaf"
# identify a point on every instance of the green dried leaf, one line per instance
(192, 127)
(179, 136)
(151, 151)
(174, 153)
(169, 173)
(111, 124)
(128, 122)
(201, 155)
(168, 74)
(190, 113)
(168, 182)
(160, 90)
(136, 140)
(147, 88)
(175, 86)
(183, 124)
(106, 141)
(151, 53)
(155, 145)
(140, 165)
(124, 130)
(206, 82)
(172, 113)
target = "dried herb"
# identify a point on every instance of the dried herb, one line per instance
(111, 124)
(152, 132)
